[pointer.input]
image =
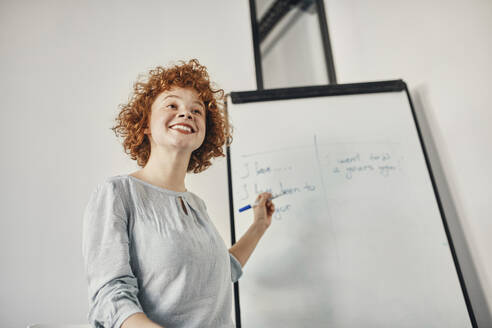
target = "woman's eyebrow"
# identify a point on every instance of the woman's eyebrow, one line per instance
(171, 96)
(199, 103)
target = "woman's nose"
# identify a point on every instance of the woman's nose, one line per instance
(185, 113)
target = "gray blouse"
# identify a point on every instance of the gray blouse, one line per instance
(144, 253)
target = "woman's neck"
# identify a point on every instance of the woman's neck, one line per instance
(166, 170)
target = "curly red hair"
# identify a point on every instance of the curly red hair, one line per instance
(134, 116)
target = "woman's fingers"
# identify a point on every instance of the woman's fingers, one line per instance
(264, 198)
(270, 207)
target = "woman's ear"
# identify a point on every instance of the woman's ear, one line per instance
(146, 128)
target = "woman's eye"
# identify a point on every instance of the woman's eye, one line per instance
(198, 111)
(171, 106)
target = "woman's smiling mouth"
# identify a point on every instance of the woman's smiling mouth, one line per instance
(182, 128)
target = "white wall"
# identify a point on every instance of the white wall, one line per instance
(66, 65)
(442, 49)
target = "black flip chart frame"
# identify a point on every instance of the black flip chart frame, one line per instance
(335, 90)
(325, 38)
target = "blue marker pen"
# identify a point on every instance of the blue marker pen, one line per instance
(247, 207)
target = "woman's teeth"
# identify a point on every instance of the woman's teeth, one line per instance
(181, 128)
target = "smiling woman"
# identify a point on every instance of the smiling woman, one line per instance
(134, 115)
(153, 256)
(174, 113)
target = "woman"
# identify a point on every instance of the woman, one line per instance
(153, 256)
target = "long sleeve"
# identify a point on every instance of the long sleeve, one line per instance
(112, 287)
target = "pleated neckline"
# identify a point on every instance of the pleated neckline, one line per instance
(167, 191)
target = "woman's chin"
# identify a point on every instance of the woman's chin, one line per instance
(179, 147)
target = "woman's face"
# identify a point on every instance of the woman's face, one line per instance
(173, 113)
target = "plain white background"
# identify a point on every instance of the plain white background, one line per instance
(66, 66)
